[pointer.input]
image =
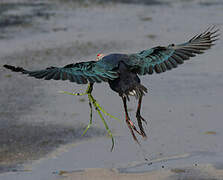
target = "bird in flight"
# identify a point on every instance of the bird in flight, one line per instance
(122, 71)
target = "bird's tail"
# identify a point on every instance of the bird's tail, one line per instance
(137, 91)
(16, 69)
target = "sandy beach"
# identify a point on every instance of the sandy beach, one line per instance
(40, 128)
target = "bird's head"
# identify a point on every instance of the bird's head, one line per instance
(99, 56)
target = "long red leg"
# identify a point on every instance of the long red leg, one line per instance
(129, 122)
(140, 118)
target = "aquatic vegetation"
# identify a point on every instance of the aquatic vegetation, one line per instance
(99, 110)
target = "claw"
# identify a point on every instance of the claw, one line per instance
(133, 127)
(140, 119)
(130, 124)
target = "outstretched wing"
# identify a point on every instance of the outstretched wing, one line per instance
(161, 59)
(80, 73)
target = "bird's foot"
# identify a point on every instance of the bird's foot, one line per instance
(130, 126)
(138, 116)
(140, 119)
(133, 129)
(133, 126)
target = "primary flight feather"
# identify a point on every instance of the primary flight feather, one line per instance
(121, 70)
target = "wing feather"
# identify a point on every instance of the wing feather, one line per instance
(80, 73)
(161, 59)
(158, 59)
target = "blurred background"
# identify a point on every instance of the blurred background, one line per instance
(40, 129)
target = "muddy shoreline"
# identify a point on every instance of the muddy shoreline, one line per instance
(183, 106)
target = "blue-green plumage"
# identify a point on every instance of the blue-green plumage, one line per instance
(158, 59)
(121, 70)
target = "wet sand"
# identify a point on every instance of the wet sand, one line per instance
(41, 129)
(203, 172)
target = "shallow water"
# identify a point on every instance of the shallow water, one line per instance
(41, 129)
